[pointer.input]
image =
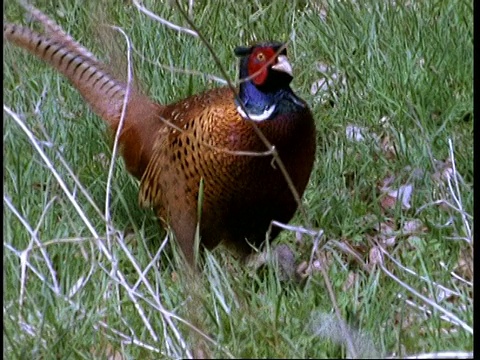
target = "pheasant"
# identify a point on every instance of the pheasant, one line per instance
(201, 147)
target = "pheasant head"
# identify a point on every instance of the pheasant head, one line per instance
(265, 76)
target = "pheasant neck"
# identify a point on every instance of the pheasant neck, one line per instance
(257, 105)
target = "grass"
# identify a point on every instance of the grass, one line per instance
(408, 87)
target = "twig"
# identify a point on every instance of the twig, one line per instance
(442, 355)
(428, 301)
(25, 253)
(456, 193)
(404, 268)
(299, 229)
(117, 134)
(179, 70)
(163, 21)
(70, 172)
(60, 181)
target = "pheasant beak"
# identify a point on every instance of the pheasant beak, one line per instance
(283, 65)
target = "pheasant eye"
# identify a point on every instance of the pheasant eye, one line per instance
(261, 56)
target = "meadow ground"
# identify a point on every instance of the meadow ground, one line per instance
(390, 200)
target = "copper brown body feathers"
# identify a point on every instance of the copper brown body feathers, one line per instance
(175, 148)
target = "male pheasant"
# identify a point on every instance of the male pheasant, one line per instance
(200, 142)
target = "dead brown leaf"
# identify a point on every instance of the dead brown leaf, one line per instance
(351, 280)
(414, 226)
(109, 353)
(388, 147)
(391, 196)
(443, 171)
(375, 256)
(102, 159)
(464, 267)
